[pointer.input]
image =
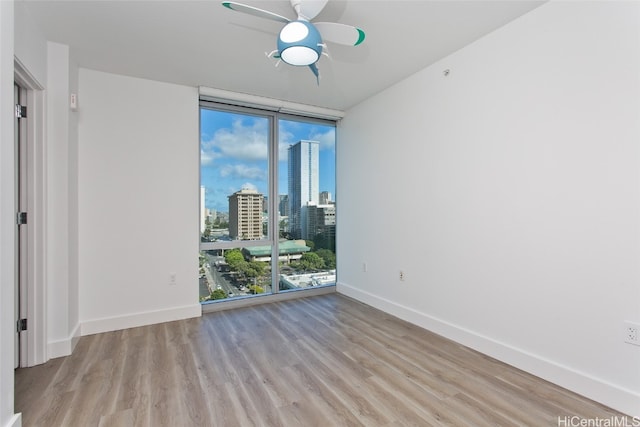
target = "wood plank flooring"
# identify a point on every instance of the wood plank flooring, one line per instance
(318, 361)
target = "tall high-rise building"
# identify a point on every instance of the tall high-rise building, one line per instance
(325, 197)
(283, 206)
(245, 215)
(304, 165)
(321, 225)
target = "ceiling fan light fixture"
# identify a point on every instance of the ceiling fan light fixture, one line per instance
(294, 32)
(299, 43)
(299, 55)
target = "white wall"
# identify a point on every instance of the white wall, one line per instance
(80, 296)
(60, 329)
(73, 210)
(138, 192)
(30, 44)
(509, 193)
(7, 216)
(57, 289)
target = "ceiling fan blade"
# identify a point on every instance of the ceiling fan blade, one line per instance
(239, 7)
(308, 9)
(340, 33)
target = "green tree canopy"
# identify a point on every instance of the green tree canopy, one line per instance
(218, 294)
(328, 256)
(255, 289)
(207, 228)
(234, 258)
(310, 261)
(256, 268)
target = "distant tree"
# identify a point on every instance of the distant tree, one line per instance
(284, 234)
(255, 289)
(243, 268)
(328, 256)
(218, 223)
(257, 268)
(310, 261)
(252, 270)
(207, 228)
(201, 261)
(218, 294)
(311, 244)
(234, 258)
(283, 229)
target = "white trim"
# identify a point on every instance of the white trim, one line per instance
(16, 420)
(36, 334)
(66, 346)
(619, 398)
(108, 324)
(25, 78)
(272, 104)
(75, 337)
(212, 307)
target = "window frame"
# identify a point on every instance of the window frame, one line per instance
(273, 227)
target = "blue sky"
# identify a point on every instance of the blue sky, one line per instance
(233, 154)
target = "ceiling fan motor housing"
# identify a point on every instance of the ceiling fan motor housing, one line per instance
(300, 43)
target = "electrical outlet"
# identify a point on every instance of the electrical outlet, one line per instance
(632, 333)
(401, 276)
(172, 279)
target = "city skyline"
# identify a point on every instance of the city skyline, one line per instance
(233, 154)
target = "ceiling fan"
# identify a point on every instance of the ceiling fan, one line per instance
(301, 42)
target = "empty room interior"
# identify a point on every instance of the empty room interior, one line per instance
(468, 253)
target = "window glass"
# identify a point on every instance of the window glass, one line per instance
(234, 176)
(267, 209)
(307, 207)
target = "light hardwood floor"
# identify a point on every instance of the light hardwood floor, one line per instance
(318, 361)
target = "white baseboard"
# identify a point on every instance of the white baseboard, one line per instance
(621, 399)
(15, 421)
(96, 326)
(63, 347)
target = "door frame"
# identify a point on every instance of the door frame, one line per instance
(33, 341)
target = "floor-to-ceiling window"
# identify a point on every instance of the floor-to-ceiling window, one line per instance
(267, 202)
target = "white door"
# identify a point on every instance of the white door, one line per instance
(21, 219)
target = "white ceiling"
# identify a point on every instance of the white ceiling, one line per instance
(201, 43)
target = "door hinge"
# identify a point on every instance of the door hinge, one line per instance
(22, 325)
(21, 218)
(21, 111)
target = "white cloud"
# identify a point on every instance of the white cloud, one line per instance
(243, 172)
(247, 141)
(242, 142)
(207, 157)
(249, 186)
(325, 135)
(327, 139)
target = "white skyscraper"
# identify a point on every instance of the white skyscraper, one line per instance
(304, 165)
